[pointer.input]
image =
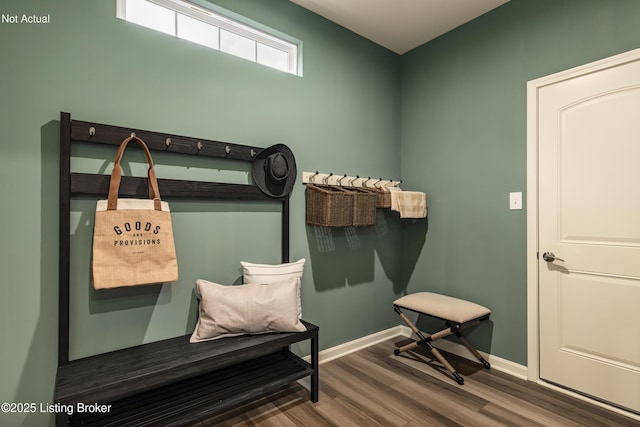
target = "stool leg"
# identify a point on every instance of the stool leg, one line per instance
(456, 376)
(472, 349)
(407, 347)
(474, 352)
(426, 342)
(415, 330)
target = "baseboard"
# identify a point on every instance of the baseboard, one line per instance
(497, 363)
(355, 345)
(351, 347)
(338, 351)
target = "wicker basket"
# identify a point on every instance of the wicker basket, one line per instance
(383, 198)
(328, 206)
(364, 207)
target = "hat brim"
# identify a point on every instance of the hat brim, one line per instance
(266, 185)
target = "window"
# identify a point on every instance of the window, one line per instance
(203, 26)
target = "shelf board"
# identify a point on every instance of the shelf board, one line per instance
(110, 376)
(199, 397)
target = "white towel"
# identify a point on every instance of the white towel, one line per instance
(410, 204)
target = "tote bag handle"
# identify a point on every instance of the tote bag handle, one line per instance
(116, 176)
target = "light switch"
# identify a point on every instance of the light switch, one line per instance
(515, 201)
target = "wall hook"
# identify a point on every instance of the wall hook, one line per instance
(133, 134)
(199, 146)
(312, 178)
(227, 150)
(167, 142)
(253, 153)
(92, 131)
(341, 178)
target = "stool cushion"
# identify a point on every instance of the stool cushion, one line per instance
(442, 306)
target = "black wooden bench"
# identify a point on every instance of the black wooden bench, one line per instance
(170, 382)
(174, 382)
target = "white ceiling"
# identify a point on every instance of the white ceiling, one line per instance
(400, 25)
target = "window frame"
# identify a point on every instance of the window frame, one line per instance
(222, 22)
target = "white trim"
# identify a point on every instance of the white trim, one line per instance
(338, 351)
(533, 344)
(355, 345)
(533, 87)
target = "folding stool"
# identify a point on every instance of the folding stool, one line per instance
(457, 314)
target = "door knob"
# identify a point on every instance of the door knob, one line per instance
(550, 257)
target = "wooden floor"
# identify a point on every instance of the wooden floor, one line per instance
(374, 388)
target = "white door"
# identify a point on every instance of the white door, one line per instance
(589, 218)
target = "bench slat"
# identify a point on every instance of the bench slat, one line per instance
(193, 399)
(109, 376)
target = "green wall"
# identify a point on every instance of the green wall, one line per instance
(342, 116)
(464, 144)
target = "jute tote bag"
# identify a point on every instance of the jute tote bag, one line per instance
(133, 238)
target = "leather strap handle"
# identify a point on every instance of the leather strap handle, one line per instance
(116, 176)
(153, 193)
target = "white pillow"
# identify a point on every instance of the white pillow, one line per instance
(246, 309)
(267, 273)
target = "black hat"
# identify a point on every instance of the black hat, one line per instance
(274, 170)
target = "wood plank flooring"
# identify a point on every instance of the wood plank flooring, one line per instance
(374, 388)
